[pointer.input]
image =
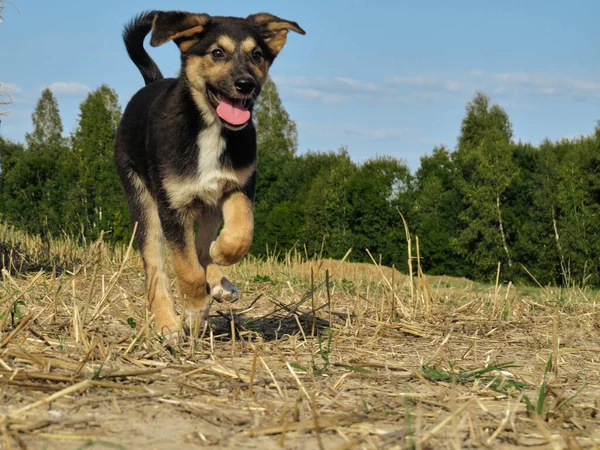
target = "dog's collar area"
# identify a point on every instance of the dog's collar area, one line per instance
(235, 128)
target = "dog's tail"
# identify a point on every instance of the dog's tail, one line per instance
(133, 35)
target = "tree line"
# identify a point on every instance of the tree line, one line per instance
(535, 210)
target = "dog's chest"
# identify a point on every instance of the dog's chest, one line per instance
(211, 180)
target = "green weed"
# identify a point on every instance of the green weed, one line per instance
(498, 384)
(539, 408)
(318, 369)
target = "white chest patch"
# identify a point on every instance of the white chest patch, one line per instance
(211, 179)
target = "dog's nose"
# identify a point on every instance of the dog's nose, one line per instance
(245, 85)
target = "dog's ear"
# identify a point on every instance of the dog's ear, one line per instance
(274, 30)
(178, 26)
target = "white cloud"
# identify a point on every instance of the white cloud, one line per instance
(452, 86)
(439, 87)
(340, 132)
(327, 89)
(547, 85)
(418, 80)
(9, 88)
(359, 85)
(298, 81)
(68, 88)
(584, 85)
(429, 81)
(376, 134)
(319, 95)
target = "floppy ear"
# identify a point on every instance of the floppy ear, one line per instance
(274, 30)
(178, 26)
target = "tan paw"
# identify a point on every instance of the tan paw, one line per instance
(225, 291)
(194, 319)
(228, 249)
(167, 324)
(172, 338)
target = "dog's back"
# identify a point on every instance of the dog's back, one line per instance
(133, 132)
(143, 128)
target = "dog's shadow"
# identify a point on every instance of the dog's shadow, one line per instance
(269, 328)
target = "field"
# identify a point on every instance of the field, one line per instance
(317, 354)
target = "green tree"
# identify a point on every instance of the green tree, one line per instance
(486, 168)
(436, 210)
(578, 209)
(10, 154)
(326, 205)
(527, 209)
(96, 198)
(47, 124)
(378, 189)
(277, 139)
(30, 196)
(275, 130)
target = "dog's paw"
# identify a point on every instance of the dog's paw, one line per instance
(229, 249)
(225, 291)
(167, 325)
(172, 338)
(219, 255)
(194, 319)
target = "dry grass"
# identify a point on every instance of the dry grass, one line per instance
(299, 362)
(5, 100)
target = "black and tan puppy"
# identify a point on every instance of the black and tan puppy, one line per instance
(186, 152)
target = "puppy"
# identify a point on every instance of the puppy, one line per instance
(185, 152)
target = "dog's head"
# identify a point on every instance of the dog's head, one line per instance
(225, 60)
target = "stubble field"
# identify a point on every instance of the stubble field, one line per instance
(317, 354)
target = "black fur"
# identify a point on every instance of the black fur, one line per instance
(133, 35)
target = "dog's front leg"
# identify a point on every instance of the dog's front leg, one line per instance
(191, 277)
(236, 236)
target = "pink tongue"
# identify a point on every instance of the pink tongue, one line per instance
(235, 114)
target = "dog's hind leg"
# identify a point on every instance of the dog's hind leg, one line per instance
(149, 238)
(207, 225)
(179, 233)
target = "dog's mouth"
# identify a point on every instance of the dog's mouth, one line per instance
(234, 111)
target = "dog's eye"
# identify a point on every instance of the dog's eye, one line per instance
(257, 55)
(218, 53)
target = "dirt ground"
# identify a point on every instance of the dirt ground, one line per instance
(433, 364)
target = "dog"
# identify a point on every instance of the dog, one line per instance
(186, 151)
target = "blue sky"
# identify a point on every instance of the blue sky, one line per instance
(380, 77)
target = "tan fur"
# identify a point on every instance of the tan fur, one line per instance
(214, 275)
(199, 70)
(284, 25)
(226, 43)
(191, 280)
(248, 45)
(191, 25)
(158, 288)
(277, 30)
(184, 46)
(212, 70)
(236, 236)
(277, 40)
